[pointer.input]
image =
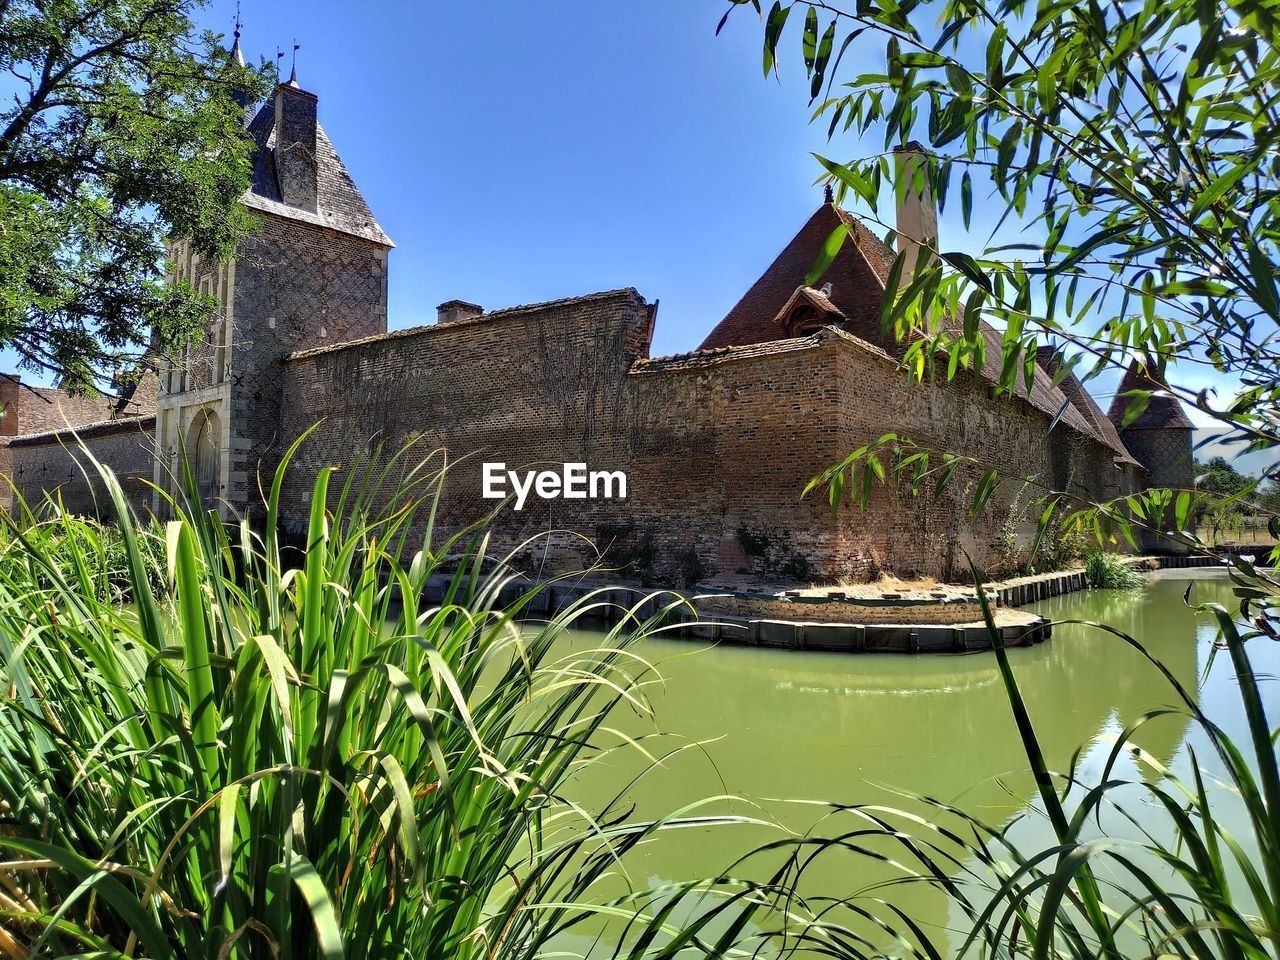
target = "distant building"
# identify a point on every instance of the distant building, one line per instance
(717, 444)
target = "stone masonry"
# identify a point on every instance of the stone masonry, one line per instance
(717, 445)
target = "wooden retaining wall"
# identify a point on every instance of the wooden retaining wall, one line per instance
(1025, 590)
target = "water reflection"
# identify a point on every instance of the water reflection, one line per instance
(786, 725)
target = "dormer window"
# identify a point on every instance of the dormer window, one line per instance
(808, 311)
(803, 321)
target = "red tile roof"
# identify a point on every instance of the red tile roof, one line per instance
(815, 298)
(857, 277)
(1050, 360)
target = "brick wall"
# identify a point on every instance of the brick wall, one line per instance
(296, 286)
(932, 534)
(55, 463)
(717, 447)
(291, 286)
(40, 409)
(1167, 454)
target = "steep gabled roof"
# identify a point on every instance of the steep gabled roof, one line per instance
(339, 204)
(1163, 412)
(857, 283)
(1050, 361)
(858, 275)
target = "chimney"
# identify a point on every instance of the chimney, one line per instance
(917, 221)
(458, 310)
(10, 394)
(295, 149)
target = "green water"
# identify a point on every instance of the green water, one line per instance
(772, 726)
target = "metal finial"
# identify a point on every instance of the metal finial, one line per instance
(293, 74)
(236, 53)
(279, 57)
(828, 194)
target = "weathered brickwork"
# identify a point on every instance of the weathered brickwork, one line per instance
(933, 533)
(56, 464)
(297, 286)
(1167, 454)
(291, 285)
(717, 448)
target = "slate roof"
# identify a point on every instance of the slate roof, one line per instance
(857, 277)
(84, 431)
(1163, 412)
(339, 204)
(1050, 360)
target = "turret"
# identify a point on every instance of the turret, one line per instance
(312, 273)
(1160, 437)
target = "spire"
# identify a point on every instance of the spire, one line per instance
(239, 97)
(236, 53)
(293, 73)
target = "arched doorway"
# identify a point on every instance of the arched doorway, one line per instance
(204, 449)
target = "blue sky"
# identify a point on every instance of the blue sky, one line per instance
(521, 151)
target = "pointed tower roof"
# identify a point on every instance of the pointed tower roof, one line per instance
(339, 204)
(1163, 412)
(236, 53)
(240, 98)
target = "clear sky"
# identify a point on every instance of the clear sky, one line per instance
(520, 151)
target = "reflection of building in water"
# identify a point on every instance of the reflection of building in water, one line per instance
(879, 728)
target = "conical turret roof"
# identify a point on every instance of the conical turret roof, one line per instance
(1163, 412)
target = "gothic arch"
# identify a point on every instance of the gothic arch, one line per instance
(204, 448)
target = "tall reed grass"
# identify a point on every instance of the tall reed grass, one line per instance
(253, 759)
(208, 752)
(1109, 571)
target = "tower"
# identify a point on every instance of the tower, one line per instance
(1160, 438)
(314, 272)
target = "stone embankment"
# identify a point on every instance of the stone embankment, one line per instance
(930, 620)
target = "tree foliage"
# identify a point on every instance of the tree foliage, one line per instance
(1219, 477)
(120, 128)
(1123, 157)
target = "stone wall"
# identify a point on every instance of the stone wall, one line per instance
(933, 533)
(717, 446)
(296, 286)
(56, 463)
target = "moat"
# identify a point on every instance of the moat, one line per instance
(778, 725)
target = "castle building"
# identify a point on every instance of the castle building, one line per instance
(717, 444)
